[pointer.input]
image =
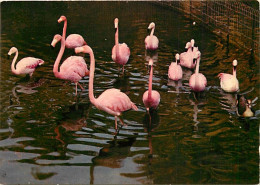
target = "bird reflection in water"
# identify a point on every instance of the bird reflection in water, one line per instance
(151, 55)
(28, 88)
(112, 155)
(74, 120)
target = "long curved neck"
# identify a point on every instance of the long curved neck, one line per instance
(150, 83)
(14, 60)
(91, 78)
(152, 32)
(62, 48)
(235, 71)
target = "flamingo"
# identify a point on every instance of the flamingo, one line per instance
(151, 41)
(73, 68)
(186, 58)
(26, 65)
(72, 41)
(197, 81)
(120, 52)
(112, 101)
(175, 70)
(151, 98)
(228, 82)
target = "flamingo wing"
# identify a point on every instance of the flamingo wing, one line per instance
(28, 65)
(74, 40)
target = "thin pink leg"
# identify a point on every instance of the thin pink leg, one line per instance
(122, 122)
(80, 86)
(115, 122)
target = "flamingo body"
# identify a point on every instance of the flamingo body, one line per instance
(186, 58)
(198, 82)
(228, 82)
(26, 65)
(175, 70)
(151, 42)
(74, 68)
(114, 102)
(74, 40)
(152, 102)
(123, 54)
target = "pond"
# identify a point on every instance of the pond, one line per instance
(50, 136)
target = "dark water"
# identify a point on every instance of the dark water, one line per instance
(49, 136)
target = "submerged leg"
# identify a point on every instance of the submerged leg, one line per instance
(115, 122)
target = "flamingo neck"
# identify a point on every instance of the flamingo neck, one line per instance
(117, 41)
(150, 83)
(152, 32)
(91, 78)
(62, 48)
(197, 66)
(235, 71)
(13, 63)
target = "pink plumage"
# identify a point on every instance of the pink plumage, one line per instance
(228, 82)
(175, 70)
(151, 98)
(72, 41)
(151, 41)
(120, 52)
(73, 68)
(112, 101)
(26, 65)
(198, 81)
(186, 58)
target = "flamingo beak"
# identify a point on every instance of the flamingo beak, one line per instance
(194, 60)
(191, 48)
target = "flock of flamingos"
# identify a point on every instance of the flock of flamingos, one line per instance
(113, 101)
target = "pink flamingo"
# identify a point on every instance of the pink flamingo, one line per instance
(73, 68)
(197, 81)
(175, 70)
(72, 41)
(186, 58)
(112, 101)
(151, 41)
(120, 52)
(151, 98)
(26, 65)
(228, 82)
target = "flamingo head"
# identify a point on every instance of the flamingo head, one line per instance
(62, 18)
(234, 63)
(83, 49)
(192, 42)
(188, 45)
(56, 39)
(151, 25)
(116, 23)
(196, 57)
(12, 50)
(177, 57)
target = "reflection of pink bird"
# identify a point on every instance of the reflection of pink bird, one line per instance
(228, 82)
(72, 41)
(24, 66)
(197, 81)
(120, 52)
(112, 101)
(74, 67)
(151, 41)
(151, 98)
(175, 70)
(186, 58)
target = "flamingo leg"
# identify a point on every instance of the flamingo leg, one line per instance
(76, 88)
(115, 122)
(80, 86)
(122, 122)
